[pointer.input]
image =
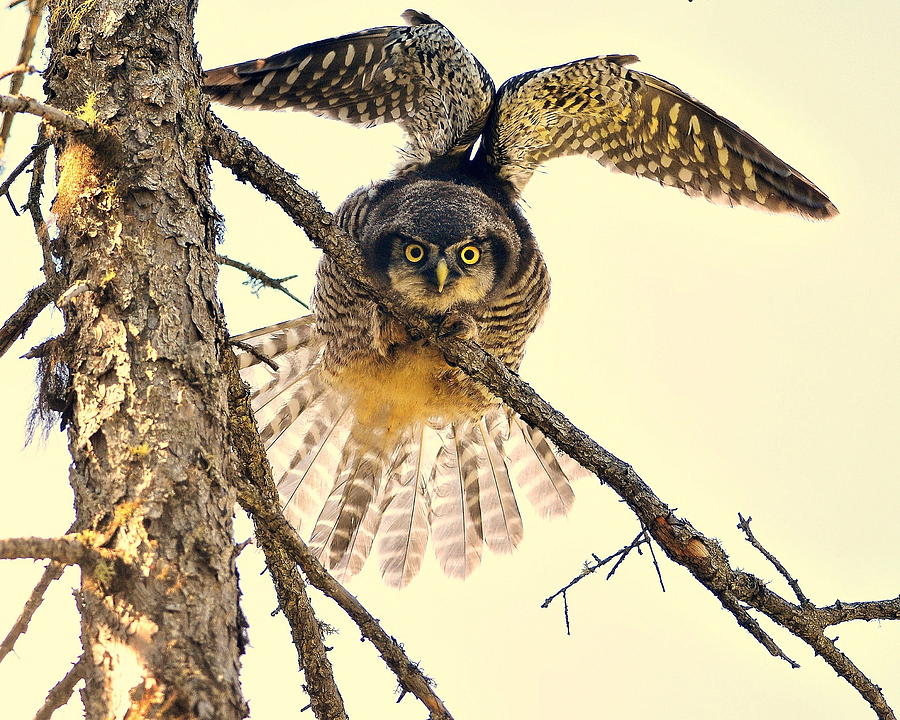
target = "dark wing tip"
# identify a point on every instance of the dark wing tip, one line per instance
(622, 59)
(414, 17)
(827, 211)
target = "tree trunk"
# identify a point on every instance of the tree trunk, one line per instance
(146, 405)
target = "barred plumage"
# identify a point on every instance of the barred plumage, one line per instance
(374, 440)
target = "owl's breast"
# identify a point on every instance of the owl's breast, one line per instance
(412, 384)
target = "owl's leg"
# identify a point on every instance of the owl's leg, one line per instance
(387, 332)
(457, 324)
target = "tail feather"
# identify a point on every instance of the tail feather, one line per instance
(501, 520)
(537, 470)
(346, 526)
(312, 456)
(403, 533)
(276, 417)
(275, 340)
(456, 515)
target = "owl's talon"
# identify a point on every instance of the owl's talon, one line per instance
(387, 333)
(458, 325)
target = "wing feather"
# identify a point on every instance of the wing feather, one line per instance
(419, 76)
(641, 125)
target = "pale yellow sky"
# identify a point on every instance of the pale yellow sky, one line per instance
(742, 362)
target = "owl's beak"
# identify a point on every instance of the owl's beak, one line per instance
(441, 272)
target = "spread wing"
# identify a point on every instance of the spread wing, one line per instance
(640, 125)
(420, 77)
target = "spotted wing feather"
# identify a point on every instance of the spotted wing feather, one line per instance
(419, 76)
(641, 125)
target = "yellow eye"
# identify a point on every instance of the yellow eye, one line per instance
(470, 254)
(414, 252)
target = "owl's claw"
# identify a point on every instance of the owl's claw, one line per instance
(388, 332)
(458, 325)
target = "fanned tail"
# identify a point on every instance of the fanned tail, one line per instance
(357, 486)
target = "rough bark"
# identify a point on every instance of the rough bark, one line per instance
(147, 406)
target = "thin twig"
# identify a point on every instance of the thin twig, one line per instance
(20, 168)
(655, 561)
(52, 572)
(589, 569)
(702, 556)
(255, 353)
(744, 524)
(60, 693)
(31, 27)
(260, 277)
(22, 69)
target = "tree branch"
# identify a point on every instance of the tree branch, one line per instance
(744, 524)
(260, 277)
(68, 549)
(257, 495)
(11, 104)
(255, 478)
(52, 572)
(31, 27)
(60, 693)
(703, 557)
(21, 167)
(18, 323)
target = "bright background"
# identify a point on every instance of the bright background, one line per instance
(742, 362)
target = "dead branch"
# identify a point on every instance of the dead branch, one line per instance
(61, 692)
(18, 323)
(21, 69)
(67, 550)
(52, 572)
(260, 277)
(702, 556)
(35, 12)
(744, 524)
(34, 207)
(257, 495)
(11, 104)
(590, 568)
(255, 353)
(22, 166)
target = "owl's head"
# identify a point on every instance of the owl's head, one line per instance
(439, 244)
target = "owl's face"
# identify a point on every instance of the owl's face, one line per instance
(440, 245)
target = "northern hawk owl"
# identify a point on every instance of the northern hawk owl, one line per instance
(373, 438)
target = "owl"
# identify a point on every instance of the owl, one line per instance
(375, 442)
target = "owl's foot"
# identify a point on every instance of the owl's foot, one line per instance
(388, 332)
(458, 325)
